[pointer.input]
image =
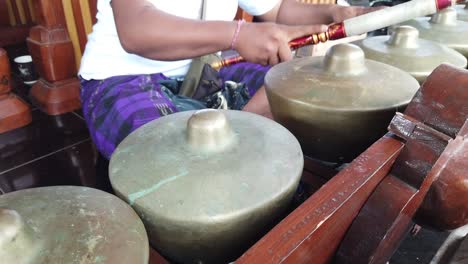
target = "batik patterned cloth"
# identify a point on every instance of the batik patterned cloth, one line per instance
(116, 106)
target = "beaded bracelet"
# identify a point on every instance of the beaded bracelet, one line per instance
(236, 34)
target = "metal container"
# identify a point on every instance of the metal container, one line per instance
(69, 225)
(406, 51)
(462, 12)
(207, 184)
(337, 105)
(444, 28)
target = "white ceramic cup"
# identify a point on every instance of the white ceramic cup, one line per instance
(26, 69)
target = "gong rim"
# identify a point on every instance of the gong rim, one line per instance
(444, 28)
(69, 224)
(174, 125)
(406, 51)
(207, 204)
(327, 80)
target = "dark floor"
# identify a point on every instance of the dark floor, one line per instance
(52, 150)
(57, 150)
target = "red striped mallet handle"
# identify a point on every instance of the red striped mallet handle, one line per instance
(362, 24)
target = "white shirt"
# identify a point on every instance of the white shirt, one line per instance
(104, 56)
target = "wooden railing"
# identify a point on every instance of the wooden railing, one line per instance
(80, 15)
(17, 12)
(56, 45)
(16, 18)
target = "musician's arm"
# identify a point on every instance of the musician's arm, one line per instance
(293, 12)
(149, 32)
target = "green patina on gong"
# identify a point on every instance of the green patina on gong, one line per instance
(207, 184)
(68, 224)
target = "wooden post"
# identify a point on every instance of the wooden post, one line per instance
(16, 19)
(14, 113)
(57, 91)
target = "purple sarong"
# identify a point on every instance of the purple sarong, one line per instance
(116, 106)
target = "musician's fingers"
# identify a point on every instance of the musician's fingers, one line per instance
(284, 53)
(273, 59)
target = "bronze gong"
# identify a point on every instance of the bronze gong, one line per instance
(337, 105)
(405, 50)
(69, 224)
(207, 184)
(443, 27)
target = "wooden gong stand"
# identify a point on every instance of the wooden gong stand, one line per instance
(415, 172)
(363, 213)
(14, 113)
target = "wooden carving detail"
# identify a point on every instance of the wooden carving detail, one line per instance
(312, 233)
(56, 45)
(401, 194)
(442, 105)
(442, 101)
(5, 73)
(446, 205)
(362, 214)
(14, 113)
(422, 175)
(16, 19)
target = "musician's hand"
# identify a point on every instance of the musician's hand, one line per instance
(342, 13)
(267, 43)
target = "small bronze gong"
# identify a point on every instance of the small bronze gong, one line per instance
(337, 105)
(69, 224)
(444, 28)
(405, 50)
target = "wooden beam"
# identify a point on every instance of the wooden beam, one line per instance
(312, 233)
(57, 91)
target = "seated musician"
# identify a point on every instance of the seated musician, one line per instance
(139, 47)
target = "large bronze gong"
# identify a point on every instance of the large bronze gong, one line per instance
(337, 105)
(443, 27)
(405, 50)
(207, 184)
(69, 225)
